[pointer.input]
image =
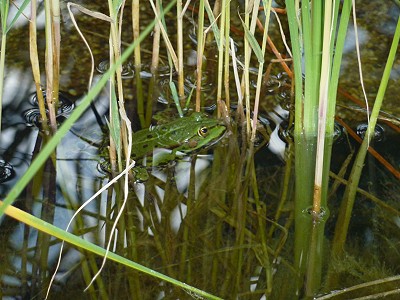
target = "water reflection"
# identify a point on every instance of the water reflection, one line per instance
(379, 132)
(6, 171)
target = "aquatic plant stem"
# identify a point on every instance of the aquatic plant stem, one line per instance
(303, 143)
(179, 33)
(2, 65)
(138, 62)
(245, 83)
(51, 62)
(34, 57)
(323, 106)
(200, 51)
(354, 178)
(314, 131)
(153, 68)
(116, 8)
(221, 50)
(4, 7)
(55, 15)
(263, 256)
(267, 11)
(296, 50)
(227, 9)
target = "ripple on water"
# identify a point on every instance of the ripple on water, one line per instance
(379, 134)
(32, 115)
(6, 171)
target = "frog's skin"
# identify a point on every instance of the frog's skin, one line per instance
(184, 135)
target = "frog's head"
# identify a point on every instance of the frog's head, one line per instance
(199, 131)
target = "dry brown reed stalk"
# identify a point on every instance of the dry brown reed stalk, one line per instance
(155, 59)
(52, 12)
(179, 33)
(138, 62)
(34, 57)
(117, 86)
(260, 69)
(226, 62)
(164, 34)
(200, 51)
(222, 44)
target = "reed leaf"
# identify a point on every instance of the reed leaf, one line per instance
(253, 43)
(213, 23)
(18, 14)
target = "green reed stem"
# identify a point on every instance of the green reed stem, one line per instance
(314, 34)
(354, 178)
(301, 35)
(295, 37)
(325, 66)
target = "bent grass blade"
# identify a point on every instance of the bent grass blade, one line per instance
(77, 241)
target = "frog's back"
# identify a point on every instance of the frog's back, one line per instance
(169, 135)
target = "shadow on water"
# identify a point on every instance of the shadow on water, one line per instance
(220, 220)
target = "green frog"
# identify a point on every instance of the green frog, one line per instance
(182, 136)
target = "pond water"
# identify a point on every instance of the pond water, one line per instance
(214, 220)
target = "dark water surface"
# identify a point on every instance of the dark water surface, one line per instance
(200, 220)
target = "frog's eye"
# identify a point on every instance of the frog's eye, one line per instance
(202, 131)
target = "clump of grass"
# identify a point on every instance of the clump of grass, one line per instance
(314, 117)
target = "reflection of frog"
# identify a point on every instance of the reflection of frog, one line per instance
(183, 135)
